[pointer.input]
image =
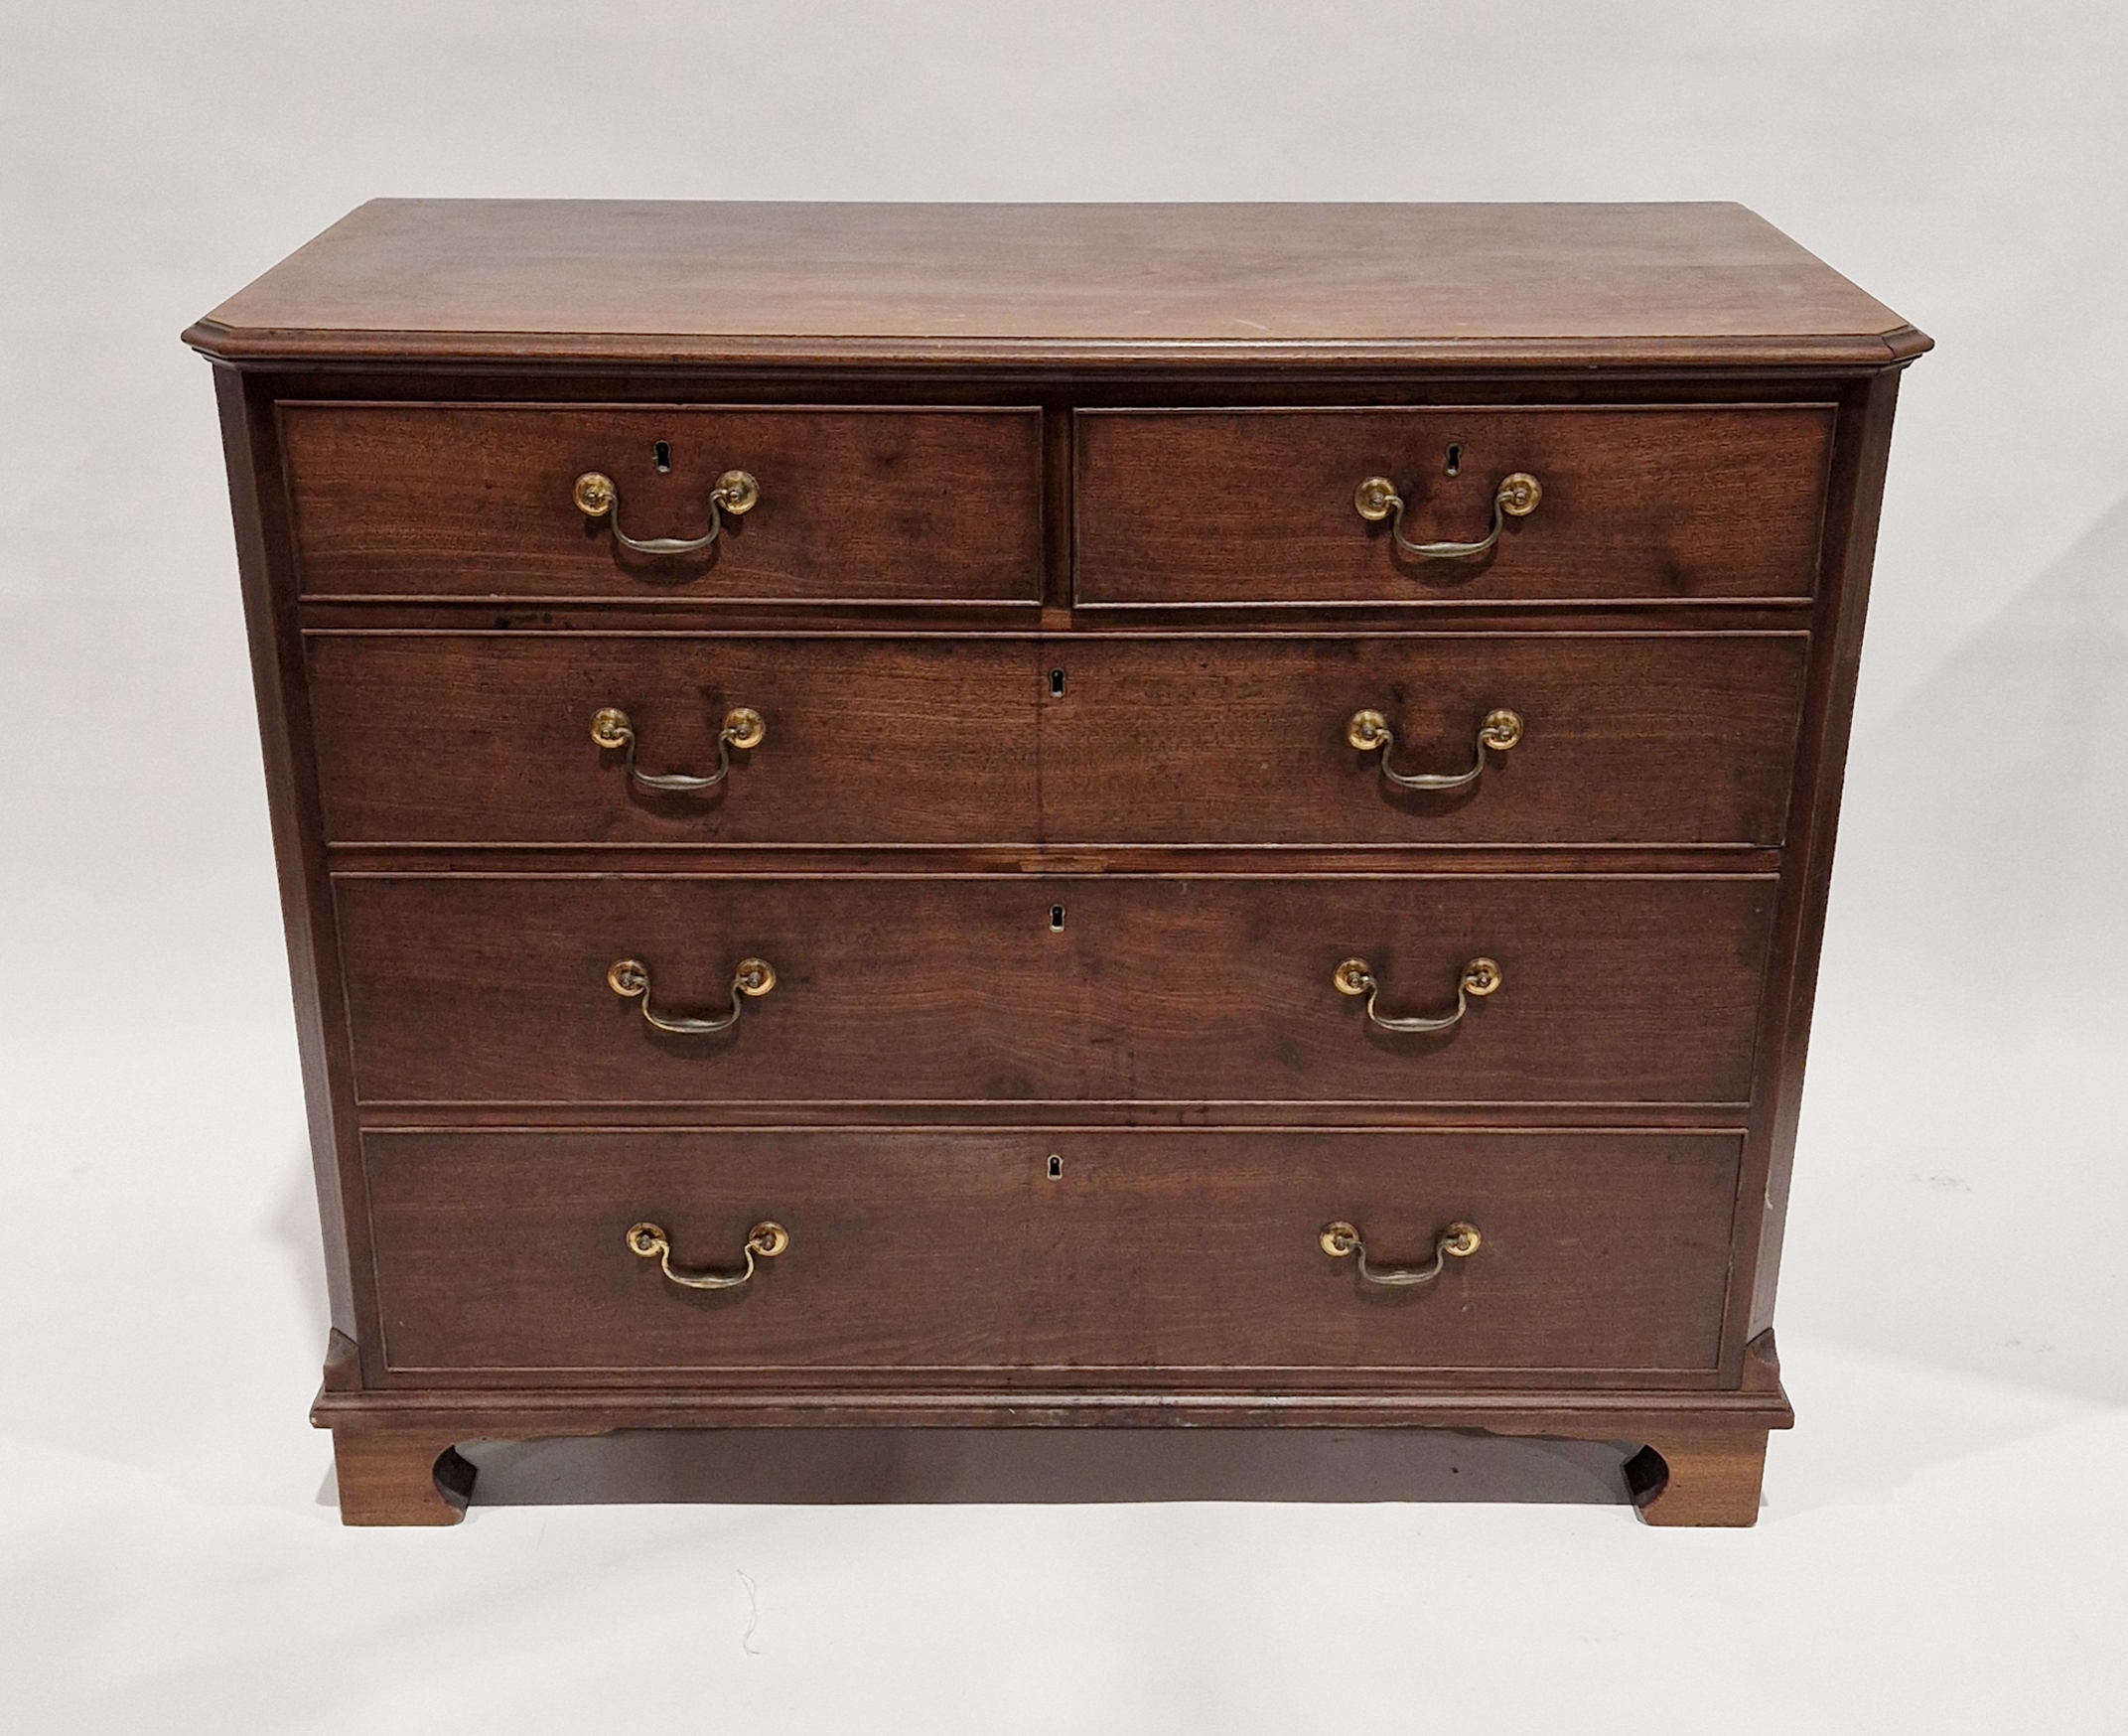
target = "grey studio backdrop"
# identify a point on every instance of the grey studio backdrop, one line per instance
(1952, 1289)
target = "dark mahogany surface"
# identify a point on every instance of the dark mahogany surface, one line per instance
(1628, 739)
(957, 990)
(1657, 502)
(667, 283)
(909, 506)
(1663, 739)
(870, 741)
(1056, 606)
(955, 1250)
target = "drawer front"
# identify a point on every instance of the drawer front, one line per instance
(1619, 738)
(465, 736)
(1199, 506)
(488, 738)
(956, 1251)
(900, 505)
(495, 988)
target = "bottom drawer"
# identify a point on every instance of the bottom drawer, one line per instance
(1078, 1250)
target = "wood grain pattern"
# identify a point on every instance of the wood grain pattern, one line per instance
(1160, 511)
(1257, 506)
(1699, 1476)
(485, 738)
(1150, 1250)
(307, 927)
(1203, 739)
(470, 988)
(672, 283)
(1591, 1407)
(898, 505)
(398, 1476)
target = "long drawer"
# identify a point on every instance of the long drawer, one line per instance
(1067, 1250)
(881, 505)
(1616, 738)
(1651, 502)
(1020, 987)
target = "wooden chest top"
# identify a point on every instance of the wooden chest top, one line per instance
(1477, 285)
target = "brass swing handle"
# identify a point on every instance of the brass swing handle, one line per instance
(734, 493)
(1369, 730)
(1376, 498)
(743, 727)
(1480, 977)
(766, 1239)
(630, 978)
(1342, 1240)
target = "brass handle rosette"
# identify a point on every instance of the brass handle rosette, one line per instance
(649, 1242)
(1376, 498)
(1342, 1240)
(1369, 730)
(630, 978)
(742, 727)
(1475, 980)
(734, 493)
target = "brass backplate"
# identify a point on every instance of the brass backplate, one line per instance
(743, 727)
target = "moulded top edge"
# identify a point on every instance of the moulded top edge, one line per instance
(487, 281)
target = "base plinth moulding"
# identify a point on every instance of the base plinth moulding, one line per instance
(1700, 1464)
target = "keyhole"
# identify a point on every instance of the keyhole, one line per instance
(662, 456)
(1055, 1167)
(1455, 458)
(1057, 919)
(1057, 683)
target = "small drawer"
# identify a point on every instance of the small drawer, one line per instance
(709, 739)
(1516, 739)
(891, 506)
(499, 989)
(1661, 504)
(1071, 1252)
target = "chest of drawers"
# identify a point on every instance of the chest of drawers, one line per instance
(960, 815)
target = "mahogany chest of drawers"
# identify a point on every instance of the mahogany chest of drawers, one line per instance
(953, 815)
